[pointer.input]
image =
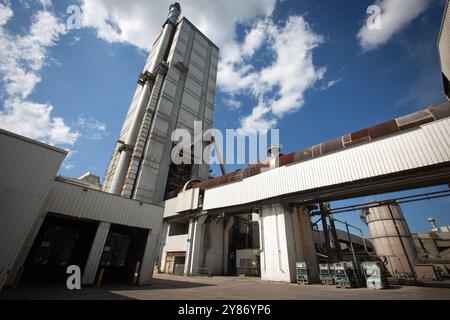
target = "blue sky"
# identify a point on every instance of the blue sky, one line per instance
(77, 84)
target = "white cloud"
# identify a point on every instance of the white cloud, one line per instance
(46, 3)
(68, 164)
(138, 22)
(21, 58)
(92, 129)
(254, 38)
(34, 120)
(5, 14)
(21, 61)
(293, 71)
(232, 103)
(279, 86)
(258, 120)
(330, 83)
(395, 15)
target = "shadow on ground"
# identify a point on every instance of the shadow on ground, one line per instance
(105, 292)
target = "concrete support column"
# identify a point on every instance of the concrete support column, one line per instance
(195, 245)
(275, 245)
(226, 245)
(304, 241)
(161, 252)
(286, 237)
(148, 262)
(213, 245)
(90, 270)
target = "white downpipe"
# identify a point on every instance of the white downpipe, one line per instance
(261, 238)
(280, 260)
(190, 247)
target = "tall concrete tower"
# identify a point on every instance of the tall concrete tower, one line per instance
(175, 89)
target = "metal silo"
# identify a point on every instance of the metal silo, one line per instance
(392, 239)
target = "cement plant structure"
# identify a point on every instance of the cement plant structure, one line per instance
(152, 213)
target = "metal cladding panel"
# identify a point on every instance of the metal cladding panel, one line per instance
(387, 229)
(424, 146)
(444, 43)
(187, 200)
(392, 247)
(170, 206)
(27, 169)
(73, 200)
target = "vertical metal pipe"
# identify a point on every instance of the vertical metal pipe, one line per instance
(326, 234)
(280, 262)
(261, 237)
(126, 152)
(161, 50)
(166, 36)
(219, 155)
(351, 243)
(337, 246)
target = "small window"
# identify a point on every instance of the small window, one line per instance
(177, 229)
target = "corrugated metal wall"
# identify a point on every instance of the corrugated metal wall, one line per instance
(427, 145)
(27, 169)
(444, 43)
(72, 200)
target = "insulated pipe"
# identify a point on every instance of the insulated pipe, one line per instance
(219, 155)
(126, 152)
(174, 13)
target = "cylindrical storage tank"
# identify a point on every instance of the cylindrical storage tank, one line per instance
(392, 239)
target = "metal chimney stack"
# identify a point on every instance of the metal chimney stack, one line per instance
(434, 227)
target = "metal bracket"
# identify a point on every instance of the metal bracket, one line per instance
(125, 147)
(162, 68)
(180, 66)
(146, 76)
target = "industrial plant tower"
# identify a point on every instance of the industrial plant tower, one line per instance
(175, 89)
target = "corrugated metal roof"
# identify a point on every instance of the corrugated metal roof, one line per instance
(68, 198)
(31, 141)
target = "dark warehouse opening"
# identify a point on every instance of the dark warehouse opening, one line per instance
(61, 242)
(122, 255)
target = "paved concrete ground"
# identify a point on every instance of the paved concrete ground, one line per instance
(230, 288)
